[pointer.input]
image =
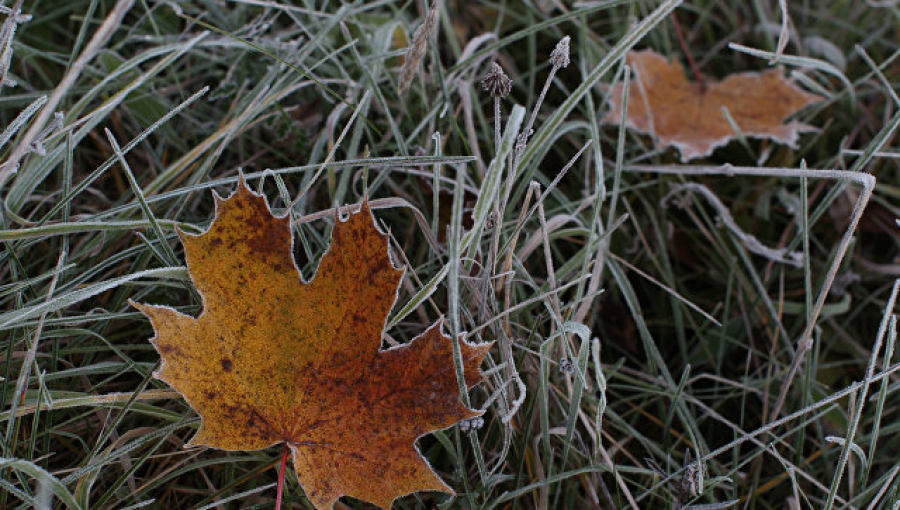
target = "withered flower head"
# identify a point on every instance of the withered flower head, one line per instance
(496, 82)
(559, 57)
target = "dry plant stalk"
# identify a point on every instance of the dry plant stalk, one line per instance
(416, 51)
(497, 84)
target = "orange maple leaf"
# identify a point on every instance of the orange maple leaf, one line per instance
(690, 116)
(273, 359)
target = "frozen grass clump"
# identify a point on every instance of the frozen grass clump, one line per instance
(736, 350)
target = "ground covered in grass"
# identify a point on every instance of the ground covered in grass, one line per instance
(713, 334)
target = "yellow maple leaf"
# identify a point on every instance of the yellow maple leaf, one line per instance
(272, 359)
(690, 116)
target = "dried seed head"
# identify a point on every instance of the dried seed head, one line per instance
(416, 51)
(559, 57)
(496, 82)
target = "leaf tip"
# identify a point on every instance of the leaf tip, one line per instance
(366, 207)
(218, 200)
(142, 307)
(242, 180)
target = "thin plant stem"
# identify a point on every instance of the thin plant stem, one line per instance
(280, 491)
(496, 124)
(559, 58)
(695, 70)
